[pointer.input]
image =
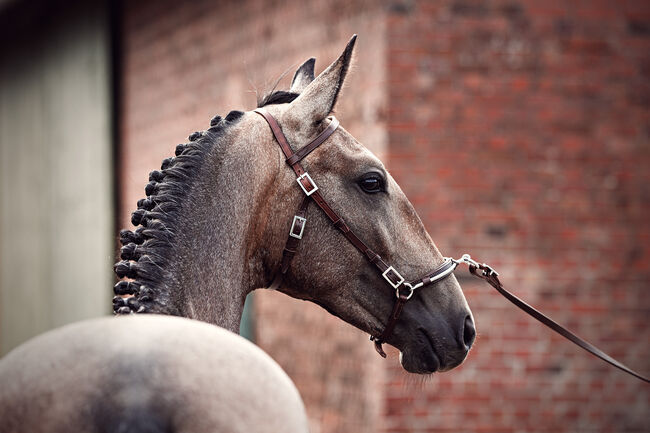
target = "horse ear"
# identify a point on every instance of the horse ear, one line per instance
(303, 77)
(318, 99)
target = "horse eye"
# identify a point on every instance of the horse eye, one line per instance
(372, 183)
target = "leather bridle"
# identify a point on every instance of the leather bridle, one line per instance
(403, 290)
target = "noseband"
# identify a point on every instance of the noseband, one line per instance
(403, 290)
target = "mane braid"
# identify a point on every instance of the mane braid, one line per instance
(146, 251)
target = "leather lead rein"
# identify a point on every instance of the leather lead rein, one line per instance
(491, 277)
(403, 290)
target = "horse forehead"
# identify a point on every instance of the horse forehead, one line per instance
(348, 150)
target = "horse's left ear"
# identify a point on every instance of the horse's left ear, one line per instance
(318, 99)
(303, 76)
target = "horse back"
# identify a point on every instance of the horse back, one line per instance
(148, 374)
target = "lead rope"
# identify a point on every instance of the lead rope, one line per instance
(485, 272)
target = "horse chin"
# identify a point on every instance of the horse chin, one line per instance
(423, 362)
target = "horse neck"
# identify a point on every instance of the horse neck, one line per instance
(219, 253)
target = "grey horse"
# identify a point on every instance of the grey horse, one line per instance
(211, 230)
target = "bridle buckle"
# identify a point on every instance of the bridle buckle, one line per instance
(297, 227)
(390, 274)
(311, 183)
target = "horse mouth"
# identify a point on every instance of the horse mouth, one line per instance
(422, 357)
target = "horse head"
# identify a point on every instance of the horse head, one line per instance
(436, 329)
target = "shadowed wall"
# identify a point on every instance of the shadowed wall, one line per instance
(56, 195)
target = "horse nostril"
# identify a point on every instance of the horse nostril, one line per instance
(469, 332)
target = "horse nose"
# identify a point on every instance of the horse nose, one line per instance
(468, 334)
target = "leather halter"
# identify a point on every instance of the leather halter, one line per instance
(403, 290)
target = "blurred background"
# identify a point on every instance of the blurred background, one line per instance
(519, 129)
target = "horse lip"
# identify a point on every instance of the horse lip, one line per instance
(432, 346)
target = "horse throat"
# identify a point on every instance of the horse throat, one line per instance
(213, 265)
(219, 255)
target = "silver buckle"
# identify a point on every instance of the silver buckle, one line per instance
(385, 275)
(306, 175)
(297, 218)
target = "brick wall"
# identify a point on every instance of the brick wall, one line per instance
(519, 130)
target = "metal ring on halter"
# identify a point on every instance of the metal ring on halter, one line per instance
(411, 290)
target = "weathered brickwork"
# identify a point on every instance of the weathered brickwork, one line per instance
(520, 132)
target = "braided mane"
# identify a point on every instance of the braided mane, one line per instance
(146, 251)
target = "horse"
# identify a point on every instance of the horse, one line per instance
(145, 374)
(211, 230)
